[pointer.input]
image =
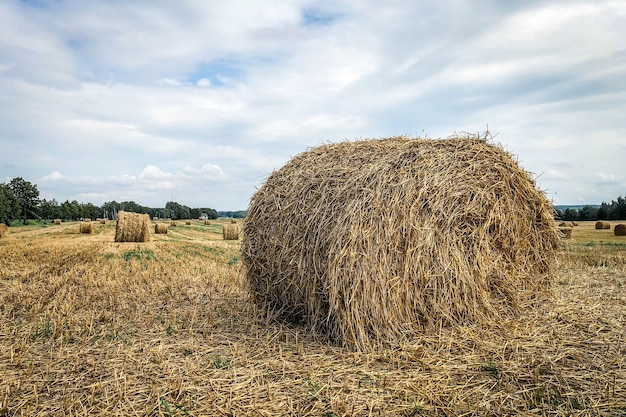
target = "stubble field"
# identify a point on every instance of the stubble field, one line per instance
(165, 328)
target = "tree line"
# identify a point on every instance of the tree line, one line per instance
(614, 211)
(19, 200)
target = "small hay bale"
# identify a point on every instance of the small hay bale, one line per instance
(575, 224)
(188, 222)
(207, 223)
(566, 232)
(57, 221)
(620, 229)
(155, 219)
(373, 242)
(602, 225)
(566, 224)
(233, 221)
(4, 230)
(132, 227)
(86, 227)
(103, 221)
(231, 231)
(160, 229)
(173, 223)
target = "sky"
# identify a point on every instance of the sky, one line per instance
(199, 101)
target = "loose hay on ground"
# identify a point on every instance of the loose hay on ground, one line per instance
(132, 227)
(374, 241)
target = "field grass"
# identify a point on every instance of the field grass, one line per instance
(165, 328)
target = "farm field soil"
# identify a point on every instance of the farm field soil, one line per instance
(165, 328)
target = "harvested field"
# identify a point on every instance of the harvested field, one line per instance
(165, 328)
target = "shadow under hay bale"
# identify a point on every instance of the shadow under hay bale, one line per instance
(86, 227)
(603, 225)
(160, 229)
(620, 230)
(132, 227)
(4, 230)
(231, 232)
(374, 241)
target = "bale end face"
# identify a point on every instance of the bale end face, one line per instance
(231, 232)
(371, 242)
(620, 230)
(600, 225)
(132, 227)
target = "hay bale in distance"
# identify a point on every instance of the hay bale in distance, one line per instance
(602, 225)
(620, 229)
(57, 221)
(575, 224)
(233, 221)
(566, 224)
(188, 222)
(566, 232)
(374, 241)
(4, 230)
(160, 229)
(103, 221)
(231, 232)
(207, 223)
(86, 227)
(173, 223)
(132, 227)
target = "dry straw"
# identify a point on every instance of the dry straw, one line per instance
(207, 223)
(231, 232)
(57, 221)
(173, 223)
(233, 221)
(620, 229)
(603, 225)
(86, 227)
(188, 222)
(160, 229)
(4, 230)
(566, 232)
(103, 221)
(374, 241)
(132, 227)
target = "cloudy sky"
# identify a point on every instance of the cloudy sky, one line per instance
(149, 100)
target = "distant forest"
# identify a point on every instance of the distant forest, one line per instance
(614, 211)
(19, 200)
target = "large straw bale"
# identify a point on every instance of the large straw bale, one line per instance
(374, 241)
(603, 225)
(160, 229)
(86, 227)
(231, 231)
(132, 227)
(620, 229)
(4, 230)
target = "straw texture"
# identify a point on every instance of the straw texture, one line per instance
(231, 232)
(160, 229)
(620, 229)
(374, 241)
(132, 227)
(4, 230)
(86, 227)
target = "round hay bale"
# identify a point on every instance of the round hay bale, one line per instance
(231, 232)
(575, 224)
(602, 225)
(233, 221)
(86, 227)
(57, 221)
(566, 232)
(173, 223)
(207, 223)
(103, 221)
(373, 241)
(620, 229)
(132, 227)
(188, 222)
(566, 224)
(160, 229)
(4, 230)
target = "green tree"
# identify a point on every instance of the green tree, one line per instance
(9, 207)
(49, 209)
(27, 196)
